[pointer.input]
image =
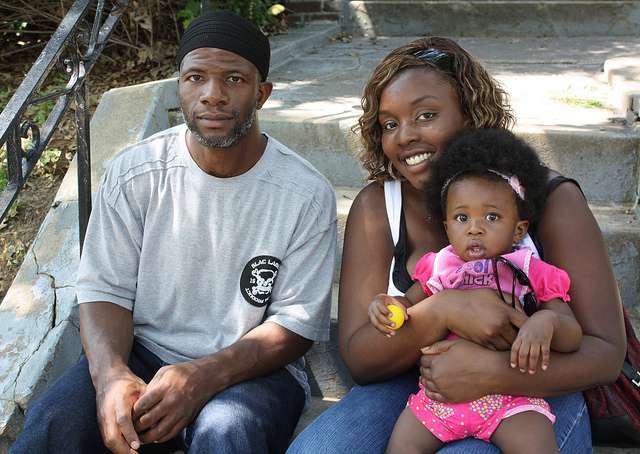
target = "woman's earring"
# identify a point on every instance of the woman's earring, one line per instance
(392, 171)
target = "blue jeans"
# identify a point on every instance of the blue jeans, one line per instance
(362, 421)
(256, 416)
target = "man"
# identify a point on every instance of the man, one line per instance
(205, 275)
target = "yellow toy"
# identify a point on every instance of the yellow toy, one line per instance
(397, 316)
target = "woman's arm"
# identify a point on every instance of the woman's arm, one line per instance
(572, 241)
(366, 260)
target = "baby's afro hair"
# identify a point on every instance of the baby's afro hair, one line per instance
(477, 153)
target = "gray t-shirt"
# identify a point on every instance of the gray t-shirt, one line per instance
(202, 260)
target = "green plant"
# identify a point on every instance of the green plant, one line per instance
(15, 28)
(51, 162)
(5, 96)
(189, 12)
(257, 11)
(40, 112)
(589, 97)
(12, 253)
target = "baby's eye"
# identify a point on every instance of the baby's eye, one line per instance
(461, 218)
(492, 217)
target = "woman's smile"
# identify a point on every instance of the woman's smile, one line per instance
(419, 113)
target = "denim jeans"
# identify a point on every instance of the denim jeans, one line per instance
(362, 421)
(256, 416)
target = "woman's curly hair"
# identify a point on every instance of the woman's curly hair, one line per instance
(483, 102)
(476, 153)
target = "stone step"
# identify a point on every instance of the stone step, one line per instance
(494, 18)
(565, 104)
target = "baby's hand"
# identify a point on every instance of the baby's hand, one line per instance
(532, 343)
(379, 314)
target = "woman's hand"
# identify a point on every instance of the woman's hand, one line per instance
(481, 316)
(366, 258)
(457, 370)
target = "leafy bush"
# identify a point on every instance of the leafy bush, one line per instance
(257, 11)
(149, 30)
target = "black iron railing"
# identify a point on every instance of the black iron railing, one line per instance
(73, 49)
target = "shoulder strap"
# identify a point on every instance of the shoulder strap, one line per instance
(533, 229)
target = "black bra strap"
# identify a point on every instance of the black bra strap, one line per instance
(400, 275)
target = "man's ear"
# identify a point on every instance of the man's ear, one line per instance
(521, 230)
(264, 92)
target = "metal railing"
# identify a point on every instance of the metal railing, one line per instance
(73, 49)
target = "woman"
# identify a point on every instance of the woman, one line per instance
(419, 96)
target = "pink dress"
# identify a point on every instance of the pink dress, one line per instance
(445, 270)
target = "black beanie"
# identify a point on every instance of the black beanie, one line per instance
(229, 31)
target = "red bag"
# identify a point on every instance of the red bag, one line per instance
(615, 409)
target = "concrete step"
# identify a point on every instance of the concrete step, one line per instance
(565, 105)
(494, 18)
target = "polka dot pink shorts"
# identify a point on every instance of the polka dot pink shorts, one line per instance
(478, 418)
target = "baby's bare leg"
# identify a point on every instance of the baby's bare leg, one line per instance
(410, 436)
(529, 432)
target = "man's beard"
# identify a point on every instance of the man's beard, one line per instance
(238, 132)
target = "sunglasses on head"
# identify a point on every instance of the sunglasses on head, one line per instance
(530, 302)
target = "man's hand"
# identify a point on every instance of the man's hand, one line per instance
(173, 399)
(115, 403)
